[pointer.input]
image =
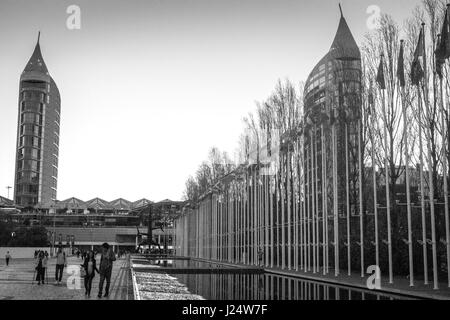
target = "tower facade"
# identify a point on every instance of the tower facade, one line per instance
(36, 175)
(332, 114)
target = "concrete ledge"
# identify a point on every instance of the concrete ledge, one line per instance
(135, 287)
(198, 270)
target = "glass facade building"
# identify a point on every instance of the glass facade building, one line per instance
(36, 172)
(333, 113)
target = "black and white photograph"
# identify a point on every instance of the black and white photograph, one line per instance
(240, 151)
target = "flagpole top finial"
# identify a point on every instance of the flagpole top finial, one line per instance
(423, 24)
(401, 41)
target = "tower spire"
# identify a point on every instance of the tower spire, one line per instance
(340, 9)
(39, 37)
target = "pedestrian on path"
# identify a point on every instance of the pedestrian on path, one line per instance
(106, 265)
(260, 256)
(7, 258)
(44, 267)
(39, 267)
(61, 262)
(90, 267)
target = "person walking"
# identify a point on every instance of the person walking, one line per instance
(90, 267)
(106, 265)
(44, 266)
(7, 258)
(39, 267)
(61, 262)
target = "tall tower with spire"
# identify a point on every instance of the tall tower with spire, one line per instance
(332, 101)
(36, 174)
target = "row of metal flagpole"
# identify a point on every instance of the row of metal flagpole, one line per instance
(287, 216)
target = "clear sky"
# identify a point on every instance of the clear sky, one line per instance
(149, 86)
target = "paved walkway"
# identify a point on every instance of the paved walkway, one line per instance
(16, 282)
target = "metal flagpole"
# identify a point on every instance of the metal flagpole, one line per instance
(277, 200)
(272, 182)
(347, 191)
(288, 187)
(295, 197)
(317, 201)
(361, 207)
(266, 222)
(283, 195)
(324, 200)
(303, 209)
(300, 204)
(326, 210)
(375, 204)
(335, 199)
(313, 205)
(305, 187)
(444, 169)
(388, 200)
(295, 204)
(430, 170)
(408, 191)
(422, 190)
(308, 219)
(253, 219)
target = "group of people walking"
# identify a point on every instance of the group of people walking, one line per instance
(105, 270)
(40, 266)
(88, 268)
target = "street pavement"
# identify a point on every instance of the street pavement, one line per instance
(16, 282)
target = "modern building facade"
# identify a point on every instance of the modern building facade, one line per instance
(36, 174)
(87, 225)
(332, 112)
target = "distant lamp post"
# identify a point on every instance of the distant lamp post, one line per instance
(8, 188)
